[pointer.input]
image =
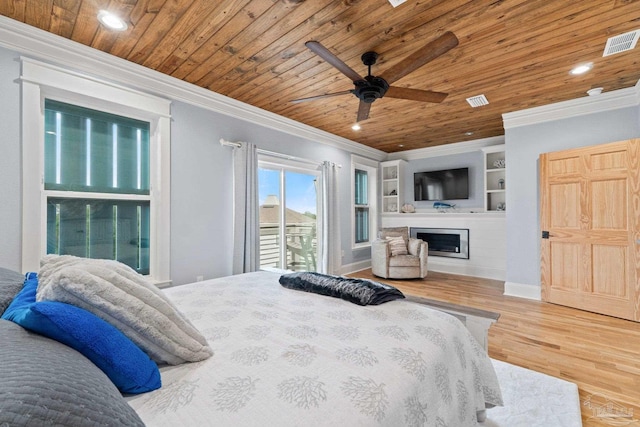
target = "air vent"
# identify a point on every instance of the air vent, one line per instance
(478, 101)
(621, 43)
(396, 3)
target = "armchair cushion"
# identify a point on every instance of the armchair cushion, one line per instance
(404, 261)
(397, 245)
(394, 232)
(413, 247)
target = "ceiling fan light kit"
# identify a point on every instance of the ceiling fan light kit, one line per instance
(370, 88)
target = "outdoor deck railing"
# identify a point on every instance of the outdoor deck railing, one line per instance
(270, 245)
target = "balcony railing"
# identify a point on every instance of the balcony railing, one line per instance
(301, 243)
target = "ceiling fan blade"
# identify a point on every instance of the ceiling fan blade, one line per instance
(417, 59)
(325, 54)
(415, 94)
(326, 95)
(363, 111)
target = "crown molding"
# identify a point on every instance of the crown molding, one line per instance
(48, 47)
(622, 98)
(447, 149)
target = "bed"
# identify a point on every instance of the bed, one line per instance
(274, 357)
(285, 358)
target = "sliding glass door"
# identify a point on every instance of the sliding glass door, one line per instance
(289, 207)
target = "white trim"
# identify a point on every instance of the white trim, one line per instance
(465, 269)
(40, 81)
(623, 98)
(446, 149)
(300, 166)
(61, 80)
(355, 267)
(371, 167)
(46, 46)
(522, 290)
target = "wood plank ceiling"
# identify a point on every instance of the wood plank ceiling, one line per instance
(517, 53)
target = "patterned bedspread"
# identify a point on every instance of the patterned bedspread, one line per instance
(289, 358)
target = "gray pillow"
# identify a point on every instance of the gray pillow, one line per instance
(44, 382)
(10, 284)
(118, 295)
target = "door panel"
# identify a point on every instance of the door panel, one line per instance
(609, 267)
(565, 265)
(566, 215)
(590, 204)
(607, 198)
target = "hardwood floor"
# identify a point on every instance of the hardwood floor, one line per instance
(600, 354)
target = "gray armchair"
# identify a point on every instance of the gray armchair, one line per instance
(410, 266)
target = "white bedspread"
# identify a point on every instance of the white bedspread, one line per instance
(290, 358)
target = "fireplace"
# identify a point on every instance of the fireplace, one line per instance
(445, 242)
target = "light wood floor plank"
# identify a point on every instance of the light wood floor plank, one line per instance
(600, 354)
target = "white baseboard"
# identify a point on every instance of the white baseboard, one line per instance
(474, 271)
(354, 267)
(466, 270)
(523, 291)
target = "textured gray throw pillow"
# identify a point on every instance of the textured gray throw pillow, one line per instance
(44, 382)
(10, 284)
(118, 295)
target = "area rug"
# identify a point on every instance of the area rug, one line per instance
(532, 399)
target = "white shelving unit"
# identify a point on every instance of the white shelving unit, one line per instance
(495, 183)
(392, 173)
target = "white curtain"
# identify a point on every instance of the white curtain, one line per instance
(246, 221)
(330, 247)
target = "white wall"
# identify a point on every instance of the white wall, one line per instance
(10, 161)
(487, 241)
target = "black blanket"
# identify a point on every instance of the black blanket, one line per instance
(357, 291)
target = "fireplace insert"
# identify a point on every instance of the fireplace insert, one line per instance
(445, 242)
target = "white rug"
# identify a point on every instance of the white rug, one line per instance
(532, 399)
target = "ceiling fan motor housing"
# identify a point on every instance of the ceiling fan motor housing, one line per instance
(371, 88)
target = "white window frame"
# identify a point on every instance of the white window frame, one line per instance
(42, 81)
(266, 161)
(371, 167)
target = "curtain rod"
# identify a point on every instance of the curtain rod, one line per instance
(226, 143)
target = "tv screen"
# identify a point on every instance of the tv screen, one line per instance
(448, 184)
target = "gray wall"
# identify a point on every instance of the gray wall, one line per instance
(473, 160)
(201, 187)
(201, 181)
(523, 147)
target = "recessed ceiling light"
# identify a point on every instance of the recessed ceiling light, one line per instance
(468, 133)
(112, 21)
(401, 145)
(581, 69)
(594, 91)
(356, 126)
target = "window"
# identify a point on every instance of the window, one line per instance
(289, 208)
(92, 160)
(364, 173)
(95, 171)
(361, 191)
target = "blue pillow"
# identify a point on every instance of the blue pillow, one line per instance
(128, 367)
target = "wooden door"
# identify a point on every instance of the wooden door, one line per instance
(590, 202)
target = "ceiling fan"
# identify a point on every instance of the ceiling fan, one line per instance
(368, 89)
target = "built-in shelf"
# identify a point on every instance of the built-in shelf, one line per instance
(392, 184)
(495, 183)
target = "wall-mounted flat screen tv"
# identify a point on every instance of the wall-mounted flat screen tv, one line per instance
(447, 184)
